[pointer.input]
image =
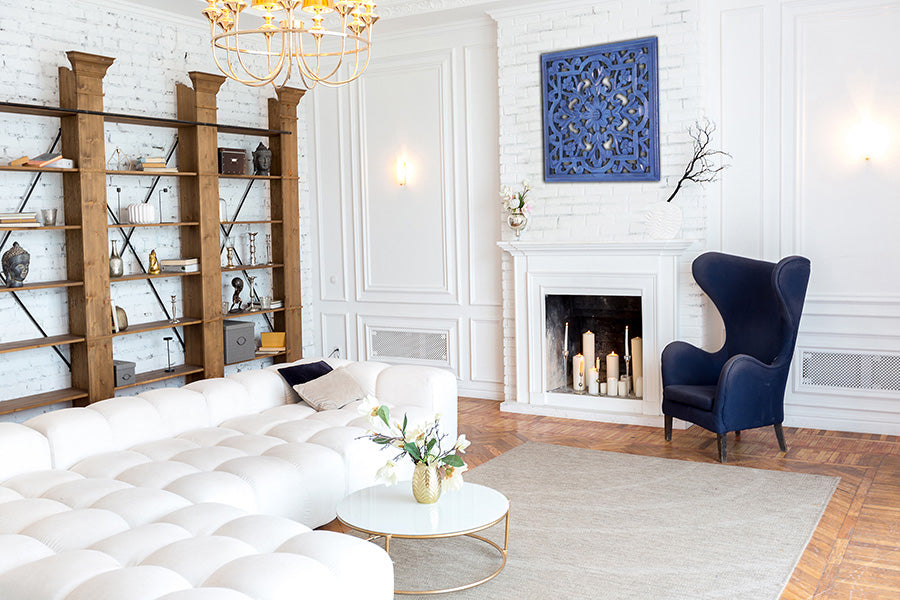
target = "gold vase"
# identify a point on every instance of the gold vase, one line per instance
(426, 485)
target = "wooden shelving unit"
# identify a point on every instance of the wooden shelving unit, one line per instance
(87, 284)
(41, 228)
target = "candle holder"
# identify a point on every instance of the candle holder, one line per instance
(269, 260)
(169, 368)
(627, 374)
(174, 319)
(252, 236)
(229, 247)
(254, 299)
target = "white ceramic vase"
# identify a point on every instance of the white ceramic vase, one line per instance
(664, 221)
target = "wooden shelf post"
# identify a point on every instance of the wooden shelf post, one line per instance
(285, 203)
(197, 152)
(84, 204)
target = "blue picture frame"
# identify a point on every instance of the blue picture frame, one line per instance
(601, 112)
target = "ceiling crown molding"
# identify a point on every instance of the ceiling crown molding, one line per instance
(129, 7)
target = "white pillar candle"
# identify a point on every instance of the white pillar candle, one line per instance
(566, 339)
(612, 386)
(587, 348)
(612, 366)
(639, 387)
(627, 380)
(603, 388)
(622, 386)
(593, 384)
(626, 340)
(578, 372)
(637, 357)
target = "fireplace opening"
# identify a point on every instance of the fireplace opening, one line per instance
(606, 317)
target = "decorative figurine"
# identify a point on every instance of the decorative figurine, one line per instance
(174, 319)
(116, 264)
(252, 236)
(169, 368)
(15, 263)
(238, 284)
(262, 160)
(269, 249)
(154, 264)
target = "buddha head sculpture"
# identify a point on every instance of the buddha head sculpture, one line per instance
(262, 160)
(15, 263)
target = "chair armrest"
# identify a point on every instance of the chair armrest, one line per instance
(684, 364)
(750, 393)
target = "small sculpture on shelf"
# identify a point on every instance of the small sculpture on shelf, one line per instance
(154, 264)
(119, 318)
(238, 284)
(116, 264)
(15, 265)
(262, 160)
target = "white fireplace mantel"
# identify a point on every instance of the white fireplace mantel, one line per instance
(648, 269)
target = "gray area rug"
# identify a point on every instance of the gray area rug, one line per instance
(602, 525)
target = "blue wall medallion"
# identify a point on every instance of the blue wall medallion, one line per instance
(601, 113)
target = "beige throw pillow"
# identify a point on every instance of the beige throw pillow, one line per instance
(331, 391)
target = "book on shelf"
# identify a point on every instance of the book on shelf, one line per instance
(43, 160)
(178, 262)
(18, 162)
(19, 224)
(269, 340)
(63, 163)
(160, 169)
(9, 218)
(270, 350)
(277, 304)
(180, 268)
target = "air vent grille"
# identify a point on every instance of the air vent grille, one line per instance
(849, 370)
(410, 344)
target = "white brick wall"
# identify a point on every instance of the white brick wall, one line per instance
(600, 211)
(152, 55)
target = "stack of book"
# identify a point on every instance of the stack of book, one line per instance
(277, 304)
(155, 163)
(13, 219)
(271, 342)
(180, 265)
(50, 159)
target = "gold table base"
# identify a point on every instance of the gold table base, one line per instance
(373, 535)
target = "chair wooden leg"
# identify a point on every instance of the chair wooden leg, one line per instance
(779, 433)
(721, 443)
(668, 428)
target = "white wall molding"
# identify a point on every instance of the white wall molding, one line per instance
(155, 13)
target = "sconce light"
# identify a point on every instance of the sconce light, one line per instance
(401, 172)
(868, 139)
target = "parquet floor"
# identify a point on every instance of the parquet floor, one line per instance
(855, 551)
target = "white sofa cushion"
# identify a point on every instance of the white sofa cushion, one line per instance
(22, 449)
(74, 434)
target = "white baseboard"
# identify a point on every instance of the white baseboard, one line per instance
(590, 415)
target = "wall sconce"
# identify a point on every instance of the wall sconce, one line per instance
(868, 139)
(401, 172)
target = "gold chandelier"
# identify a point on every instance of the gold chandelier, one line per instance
(331, 54)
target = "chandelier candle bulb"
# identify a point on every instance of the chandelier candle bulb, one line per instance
(612, 386)
(587, 347)
(578, 372)
(612, 366)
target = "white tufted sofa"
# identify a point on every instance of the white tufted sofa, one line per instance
(206, 492)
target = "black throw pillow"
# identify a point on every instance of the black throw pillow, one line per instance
(299, 374)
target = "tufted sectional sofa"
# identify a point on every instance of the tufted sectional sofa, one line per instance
(205, 492)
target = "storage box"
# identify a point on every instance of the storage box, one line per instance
(232, 161)
(240, 341)
(124, 372)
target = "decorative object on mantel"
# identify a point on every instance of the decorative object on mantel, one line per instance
(238, 284)
(116, 264)
(15, 264)
(514, 204)
(154, 269)
(436, 469)
(664, 218)
(601, 112)
(262, 160)
(317, 49)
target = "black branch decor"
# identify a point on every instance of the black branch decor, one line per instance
(705, 164)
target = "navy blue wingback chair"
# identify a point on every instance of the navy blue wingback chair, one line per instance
(741, 386)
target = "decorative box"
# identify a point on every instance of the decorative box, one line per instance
(240, 341)
(232, 161)
(124, 372)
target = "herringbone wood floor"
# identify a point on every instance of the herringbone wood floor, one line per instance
(855, 551)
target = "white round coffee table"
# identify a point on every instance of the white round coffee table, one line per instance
(392, 512)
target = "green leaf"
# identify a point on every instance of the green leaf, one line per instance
(453, 460)
(413, 451)
(430, 445)
(404, 425)
(385, 415)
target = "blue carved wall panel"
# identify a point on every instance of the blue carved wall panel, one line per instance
(601, 113)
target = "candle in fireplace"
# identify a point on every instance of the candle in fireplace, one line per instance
(578, 372)
(587, 348)
(626, 341)
(566, 340)
(593, 383)
(612, 365)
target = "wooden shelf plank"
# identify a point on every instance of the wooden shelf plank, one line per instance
(42, 342)
(41, 228)
(162, 375)
(38, 400)
(263, 222)
(157, 276)
(173, 224)
(236, 176)
(157, 325)
(249, 268)
(250, 313)
(36, 110)
(257, 357)
(48, 169)
(153, 173)
(42, 285)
